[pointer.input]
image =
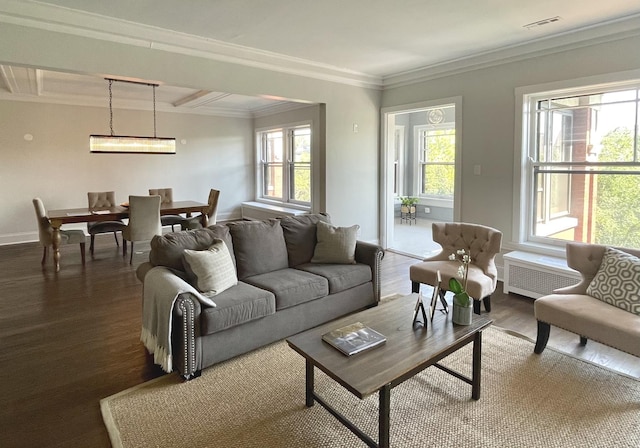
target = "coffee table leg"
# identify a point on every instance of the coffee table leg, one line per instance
(309, 384)
(384, 419)
(477, 360)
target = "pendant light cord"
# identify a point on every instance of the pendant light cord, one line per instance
(110, 107)
(154, 111)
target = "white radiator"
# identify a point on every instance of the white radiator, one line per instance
(534, 275)
(260, 211)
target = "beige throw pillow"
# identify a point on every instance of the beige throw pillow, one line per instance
(617, 281)
(335, 244)
(210, 271)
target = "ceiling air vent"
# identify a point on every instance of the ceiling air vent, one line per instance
(542, 22)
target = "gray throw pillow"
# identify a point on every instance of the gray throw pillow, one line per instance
(259, 247)
(210, 271)
(300, 236)
(335, 244)
(617, 281)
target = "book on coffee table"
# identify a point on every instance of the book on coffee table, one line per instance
(354, 338)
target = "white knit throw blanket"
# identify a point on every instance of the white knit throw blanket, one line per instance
(160, 290)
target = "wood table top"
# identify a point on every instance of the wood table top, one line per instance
(408, 349)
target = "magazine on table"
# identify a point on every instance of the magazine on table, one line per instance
(354, 338)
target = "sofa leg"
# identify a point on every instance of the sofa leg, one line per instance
(415, 287)
(543, 337)
(191, 376)
(583, 341)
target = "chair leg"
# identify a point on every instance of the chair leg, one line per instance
(487, 303)
(583, 341)
(93, 239)
(82, 252)
(415, 287)
(543, 337)
(131, 254)
(115, 235)
(44, 254)
(476, 306)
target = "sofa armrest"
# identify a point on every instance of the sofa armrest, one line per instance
(371, 254)
(185, 336)
(141, 271)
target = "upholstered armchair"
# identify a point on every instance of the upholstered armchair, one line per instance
(195, 222)
(103, 200)
(144, 221)
(45, 232)
(166, 197)
(482, 243)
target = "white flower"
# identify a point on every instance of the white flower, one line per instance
(452, 257)
(460, 252)
(461, 271)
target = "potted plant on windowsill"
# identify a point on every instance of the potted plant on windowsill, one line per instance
(462, 302)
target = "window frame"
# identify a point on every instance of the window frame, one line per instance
(287, 165)
(524, 216)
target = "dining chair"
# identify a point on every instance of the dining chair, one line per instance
(482, 243)
(195, 222)
(144, 221)
(45, 232)
(100, 201)
(166, 197)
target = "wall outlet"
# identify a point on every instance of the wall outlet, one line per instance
(427, 210)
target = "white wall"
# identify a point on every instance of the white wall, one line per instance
(349, 190)
(488, 118)
(58, 167)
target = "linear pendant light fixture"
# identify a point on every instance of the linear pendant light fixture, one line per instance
(130, 144)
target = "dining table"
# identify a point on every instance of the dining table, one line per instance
(85, 214)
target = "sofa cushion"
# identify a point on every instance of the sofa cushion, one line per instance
(300, 236)
(335, 244)
(340, 276)
(259, 247)
(617, 281)
(291, 286)
(166, 250)
(237, 305)
(210, 271)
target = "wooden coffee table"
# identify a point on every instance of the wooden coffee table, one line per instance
(409, 349)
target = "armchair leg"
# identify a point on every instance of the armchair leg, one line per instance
(476, 307)
(487, 303)
(583, 341)
(543, 337)
(415, 287)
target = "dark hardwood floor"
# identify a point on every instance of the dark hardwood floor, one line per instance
(69, 339)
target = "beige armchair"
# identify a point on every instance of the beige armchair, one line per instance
(45, 232)
(103, 200)
(144, 221)
(195, 222)
(166, 197)
(482, 243)
(572, 309)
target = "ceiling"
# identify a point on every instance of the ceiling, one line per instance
(375, 43)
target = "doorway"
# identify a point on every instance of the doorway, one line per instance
(419, 176)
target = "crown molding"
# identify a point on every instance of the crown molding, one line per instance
(579, 38)
(79, 23)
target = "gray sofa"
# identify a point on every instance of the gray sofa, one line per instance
(279, 291)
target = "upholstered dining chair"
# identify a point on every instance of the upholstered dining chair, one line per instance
(195, 222)
(45, 232)
(166, 197)
(144, 221)
(482, 243)
(100, 201)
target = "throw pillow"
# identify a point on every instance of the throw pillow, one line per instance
(210, 271)
(617, 281)
(259, 247)
(300, 236)
(335, 244)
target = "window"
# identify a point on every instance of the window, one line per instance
(582, 165)
(285, 164)
(436, 160)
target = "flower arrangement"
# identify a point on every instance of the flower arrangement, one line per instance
(460, 296)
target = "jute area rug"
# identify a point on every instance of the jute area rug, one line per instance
(257, 400)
